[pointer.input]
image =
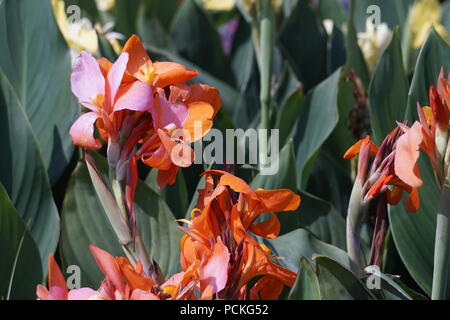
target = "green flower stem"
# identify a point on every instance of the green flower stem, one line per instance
(354, 219)
(266, 44)
(441, 247)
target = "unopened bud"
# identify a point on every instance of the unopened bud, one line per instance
(113, 153)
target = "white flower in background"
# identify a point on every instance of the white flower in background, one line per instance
(105, 5)
(218, 5)
(328, 24)
(113, 38)
(79, 35)
(373, 42)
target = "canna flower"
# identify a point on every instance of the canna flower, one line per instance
(394, 169)
(373, 42)
(103, 94)
(122, 282)
(425, 14)
(218, 235)
(435, 124)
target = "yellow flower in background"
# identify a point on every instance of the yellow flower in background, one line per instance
(219, 5)
(105, 5)
(423, 15)
(373, 41)
(80, 35)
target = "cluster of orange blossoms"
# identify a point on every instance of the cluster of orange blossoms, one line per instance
(219, 257)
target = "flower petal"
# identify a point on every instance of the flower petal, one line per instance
(82, 131)
(406, 155)
(87, 81)
(136, 96)
(138, 56)
(172, 73)
(109, 267)
(115, 76)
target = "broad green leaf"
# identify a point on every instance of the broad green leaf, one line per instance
(197, 40)
(306, 286)
(36, 61)
(125, 13)
(286, 175)
(304, 43)
(23, 174)
(355, 58)
(388, 91)
(175, 195)
(84, 222)
(336, 282)
(317, 120)
(302, 243)
(336, 53)
(20, 266)
(332, 9)
(287, 116)
(414, 233)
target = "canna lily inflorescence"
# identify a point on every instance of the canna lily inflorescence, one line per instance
(382, 181)
(218, 246)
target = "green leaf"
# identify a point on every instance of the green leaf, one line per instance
(317, 120)
(286, 175)
(304, 43)
(175, 195)
(288, 113)
(23, 174)
(414, 233)
(388, 91)
(302, 243)
(197, 40)
(125, 13)
(355, 58)
(434, 55)
(338, 283)
(36, 61)
(20, 267)
(84, 222)
(306, 286)
(391, 286)
(332, 9)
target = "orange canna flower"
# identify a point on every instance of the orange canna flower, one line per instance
(226, 211)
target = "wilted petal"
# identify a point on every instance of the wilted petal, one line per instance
(82, 131)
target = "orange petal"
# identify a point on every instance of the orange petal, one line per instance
(413, 201)
(203, 92)
(394, 196)
(199, 120)
(406, 155)
(235, 183)
(354, 149)
(166, 177)
(278, 200)
(138, 57)
(55, 275)
(267, 229)
(134, 279)
(172, 73)
(109, 267)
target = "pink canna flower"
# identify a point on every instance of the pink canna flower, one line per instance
(104, 96)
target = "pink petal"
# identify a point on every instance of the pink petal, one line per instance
(115, 76)
(137, 96)
(82, 131)
(139, 294)
(87, 80)
(215, 272)
(57, 293)
(83, 294)
(406, 155)
(165, 113)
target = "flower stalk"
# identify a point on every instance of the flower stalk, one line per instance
(441, 248)
(266, 44)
